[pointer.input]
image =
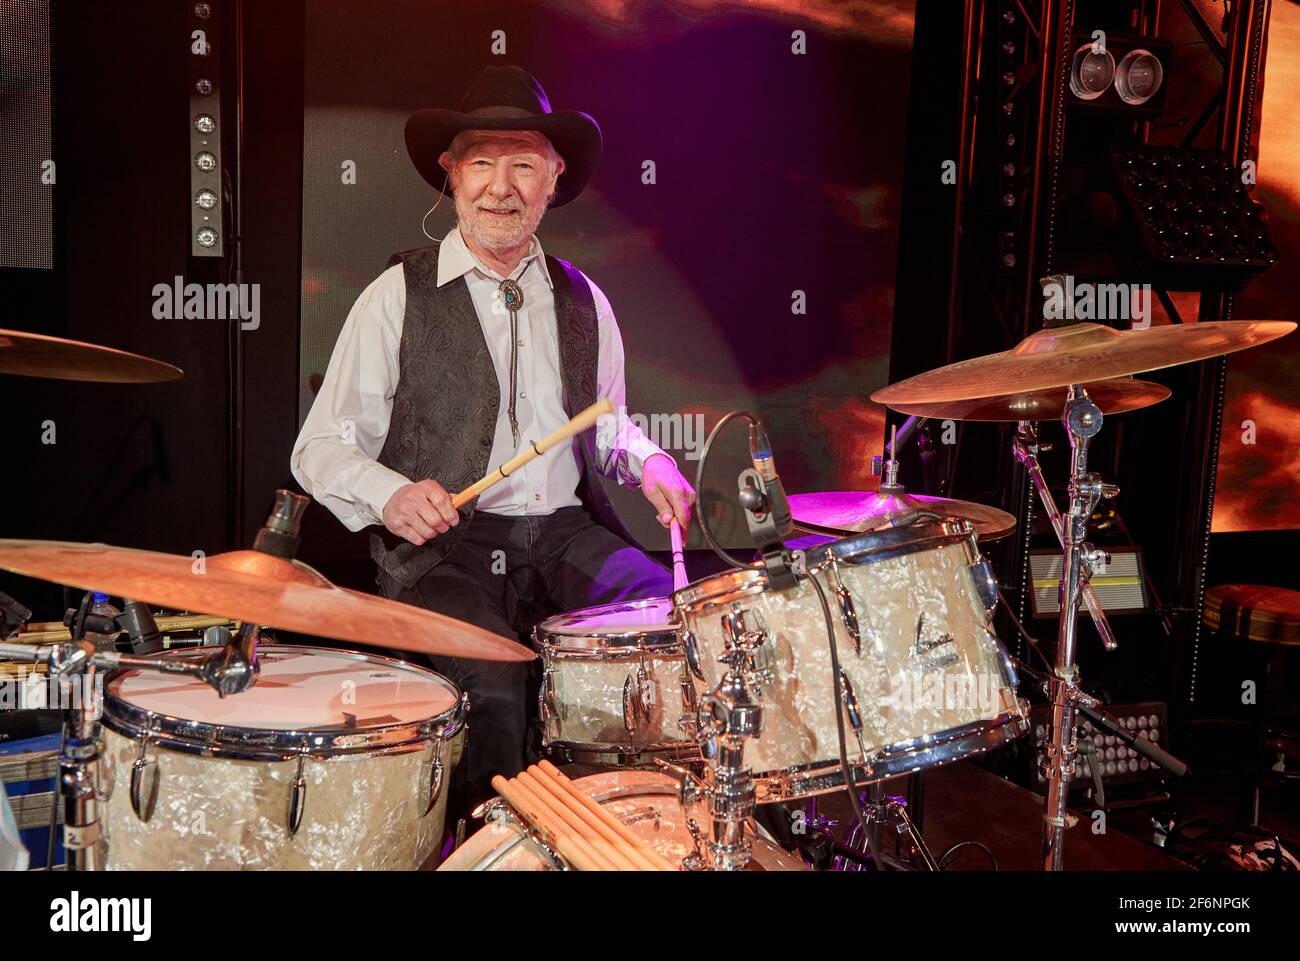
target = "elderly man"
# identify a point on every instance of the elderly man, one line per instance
(449, 363)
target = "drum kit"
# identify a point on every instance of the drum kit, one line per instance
(812, 669)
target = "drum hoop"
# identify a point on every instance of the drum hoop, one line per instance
(552, 634)
(720, 589)
(866, 548)
(891, 542)
(903, 757)
(554, 647)
(265, 744)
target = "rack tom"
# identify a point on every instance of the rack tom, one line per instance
(923, 678)
(615, 687)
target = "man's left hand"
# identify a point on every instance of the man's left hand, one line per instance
(666, 488)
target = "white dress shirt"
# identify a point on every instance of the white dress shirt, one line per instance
(334, 457)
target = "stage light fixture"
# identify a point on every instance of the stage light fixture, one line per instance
(1125, 74)
(1138, 76)
(1092, 72)
(204, 41)
(1195, 226)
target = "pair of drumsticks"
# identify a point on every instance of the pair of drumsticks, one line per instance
(582, 832)
(584, 420)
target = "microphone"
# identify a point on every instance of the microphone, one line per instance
(760, 452)
(136, 620)
(141, 628)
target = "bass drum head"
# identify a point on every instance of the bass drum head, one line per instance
(645, 801)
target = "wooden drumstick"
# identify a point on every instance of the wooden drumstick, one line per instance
(582, 824)
(581, 422)
(571, 847)
(680, 579)
(637, 855)
(585, 800)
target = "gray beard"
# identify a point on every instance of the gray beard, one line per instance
(470, 221)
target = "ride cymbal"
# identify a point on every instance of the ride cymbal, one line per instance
(35, 355)
(1077, 354)
(1112, 396)
(257, 588)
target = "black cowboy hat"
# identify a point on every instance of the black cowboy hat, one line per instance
(507, 98)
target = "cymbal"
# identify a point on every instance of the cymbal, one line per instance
(1112, 396)
(844, 513)
(256, 588)
(1058, 357)
(35, 355)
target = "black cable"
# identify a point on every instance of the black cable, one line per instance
(849, 784)
(1030, 640)
(943, 859)
(718, 549)
(699, 487)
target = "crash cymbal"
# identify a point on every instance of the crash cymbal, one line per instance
(1112, 396)
(257, 588)
(843, 513)
(1058, 357)
(35, 355)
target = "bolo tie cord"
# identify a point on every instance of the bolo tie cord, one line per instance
(513, 297)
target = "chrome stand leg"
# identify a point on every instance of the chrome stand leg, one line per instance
(878, 808)
(78, 767)
(728, 716)
(1082, 419)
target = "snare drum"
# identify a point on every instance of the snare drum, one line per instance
(646, 801)
(921, 667)
(334, 760)
(615, 688)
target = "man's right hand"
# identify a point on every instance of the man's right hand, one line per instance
(419, 512)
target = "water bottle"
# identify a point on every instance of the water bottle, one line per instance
(101, 606)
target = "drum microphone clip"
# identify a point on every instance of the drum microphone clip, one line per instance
(767, 510)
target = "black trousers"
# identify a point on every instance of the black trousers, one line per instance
(505, 574)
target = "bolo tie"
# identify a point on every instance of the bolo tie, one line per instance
(512, 295)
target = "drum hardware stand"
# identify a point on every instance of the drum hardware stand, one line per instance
(727, 716)
(1090, 707)
(878, 811)
(1026, 448)
(1082, 420)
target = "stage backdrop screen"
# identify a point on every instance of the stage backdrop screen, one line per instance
(1259, 452)
(743, 220)
(26, 150)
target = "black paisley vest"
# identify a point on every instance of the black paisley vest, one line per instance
(448, 398)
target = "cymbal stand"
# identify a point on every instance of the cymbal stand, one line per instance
(1026, 448)
(1082, 420)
